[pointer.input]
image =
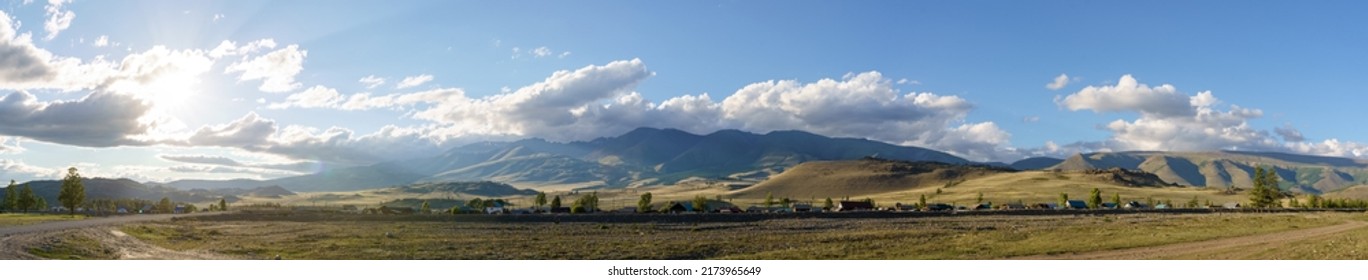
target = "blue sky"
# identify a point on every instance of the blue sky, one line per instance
(258, 89)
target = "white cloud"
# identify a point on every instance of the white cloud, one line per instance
(276, 69)
(1170, 120)
(294, 167)
(563, 55)
(1059, 82)
(58, 19)
(230, 48)
(372, 81)
(10, 145)
(314, 97)
(1130, 95)
(102, 41)
(540, 52)
(413, 81)
(217, 17)
(21, 172)
(334, 145)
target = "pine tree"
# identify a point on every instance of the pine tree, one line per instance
(27, 200)
(223, 205)
(73, 191)
(1095, 199)
(11, 197)
(979, 199)
(426, 208)
(555, 202)
(1116, 200)
(921, 202)
(1064, 200)
(541, 199)
(769, 200)
(828, 205)
(700, 204)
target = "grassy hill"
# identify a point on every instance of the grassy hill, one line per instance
(1297, 173)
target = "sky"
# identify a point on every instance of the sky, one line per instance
(166, 90)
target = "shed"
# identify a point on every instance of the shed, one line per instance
(1134, 205)
(1076, 204)
(1231, 205)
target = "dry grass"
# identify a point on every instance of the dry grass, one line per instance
(16, 219)
(981, 237)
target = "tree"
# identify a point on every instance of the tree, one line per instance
(700, 204)
(454, 210)
(541, 199)
(41, 203)
(476, 203)
(190, 208)
(73, 191)
(164, 206)
(425, 208)
(830, 204)
(555, 202)
(1064, 200)
(1192, 203)
(11, 197)
(27, 200)
(979, 199)
(1265, 193)
(644, 205)
(786, 202)
(1116, 200)
(1095, 199)
(921, 202)
(223, 205)
(769, 200)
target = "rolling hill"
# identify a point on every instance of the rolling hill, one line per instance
(1297, 173)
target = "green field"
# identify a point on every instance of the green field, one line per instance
(963, 237)
(16, 219)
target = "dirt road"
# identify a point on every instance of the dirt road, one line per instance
(15, 240)
(1210, 249)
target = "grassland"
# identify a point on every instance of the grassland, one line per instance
(16, 219)
(976, 237)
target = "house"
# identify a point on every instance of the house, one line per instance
(1076, 204)
(939, 207)
(1135, 205)
(145, 209)
(1109, 205)
(560, 210)
(1045, 206)
(627, 210)
(732, 209)
(846, 206)
(122, 210)
(755, 209)
(1231, 205)
(982, 206)
(802, 207)
(180, 209)
(1161, 206)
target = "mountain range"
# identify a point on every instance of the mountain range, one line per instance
(642, 156)
(650, 156)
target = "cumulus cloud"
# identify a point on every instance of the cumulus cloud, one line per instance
(372, 81)
(10, 145)
(100, 119)
(1172, 121)
(1059, 82)
(102, 41)
(58, 18)
(1129, 95)
(276, 69)
(413, 81)
(563, 55)
(334, 145)
(23, 63)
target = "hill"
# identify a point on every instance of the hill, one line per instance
(98, 188)
(864, 177)
(483, 189)
(1297, 173)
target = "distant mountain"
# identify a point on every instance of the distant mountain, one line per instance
(485, 189)
(1298, 173)
(1035, 163)
(97, 188)
(641, 155)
